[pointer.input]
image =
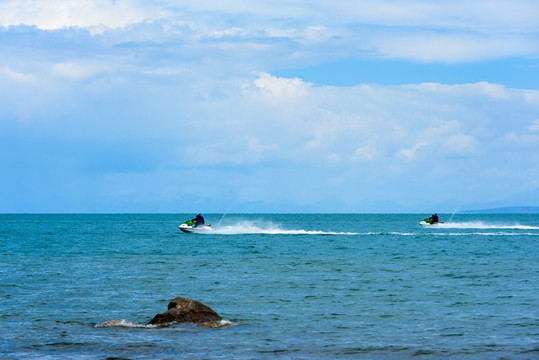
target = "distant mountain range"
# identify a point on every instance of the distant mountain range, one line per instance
(506, 210)
(371, 207)
(230, 202)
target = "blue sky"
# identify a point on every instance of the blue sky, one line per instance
(170, 106)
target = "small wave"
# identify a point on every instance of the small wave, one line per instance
(130, 324)
(385, 233)
(483, 225)
(477, 233)
(125, 324)
(217, 324)
(441, 233)
(496, 233)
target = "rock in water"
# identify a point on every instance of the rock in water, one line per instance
(185, 310)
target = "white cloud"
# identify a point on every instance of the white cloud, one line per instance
(481, 89)
(254, 145)
(280, 88)
(522, 139)
(427, 31)
(453, 47)
(531, 97)
(242, 128)
(57, 14)
(17, 76)
(478, 15)
(74, 71)
(461, 143)
(367, 152)
(410, 153)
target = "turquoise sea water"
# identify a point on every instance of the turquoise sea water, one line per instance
(289, 286)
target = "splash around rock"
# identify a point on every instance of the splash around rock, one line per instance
(182, 310)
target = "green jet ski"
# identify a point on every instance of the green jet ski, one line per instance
(428, 222)
(189, 226)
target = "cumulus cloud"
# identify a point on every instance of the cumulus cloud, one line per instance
(364, 133)
(280, 88)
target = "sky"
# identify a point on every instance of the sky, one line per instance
(214, 106)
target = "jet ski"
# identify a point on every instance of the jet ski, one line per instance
(428, 222)
(189, 227)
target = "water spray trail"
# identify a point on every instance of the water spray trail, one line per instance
(482, 225)
(226, 212)
(245, 228)
(454, 211)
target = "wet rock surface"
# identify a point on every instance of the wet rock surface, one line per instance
(183, 310)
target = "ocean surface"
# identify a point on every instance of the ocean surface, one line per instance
(316, 286)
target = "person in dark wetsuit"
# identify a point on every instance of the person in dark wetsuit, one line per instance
(198, 220)
(434, 219)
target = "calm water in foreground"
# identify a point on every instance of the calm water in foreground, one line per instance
(289, 286)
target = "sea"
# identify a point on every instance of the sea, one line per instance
(288, 286)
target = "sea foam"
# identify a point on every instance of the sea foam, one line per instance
(248, 227)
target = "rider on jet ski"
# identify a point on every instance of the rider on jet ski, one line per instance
(198, 220)
(434, 219)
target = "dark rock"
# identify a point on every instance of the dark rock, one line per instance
(186, 310)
